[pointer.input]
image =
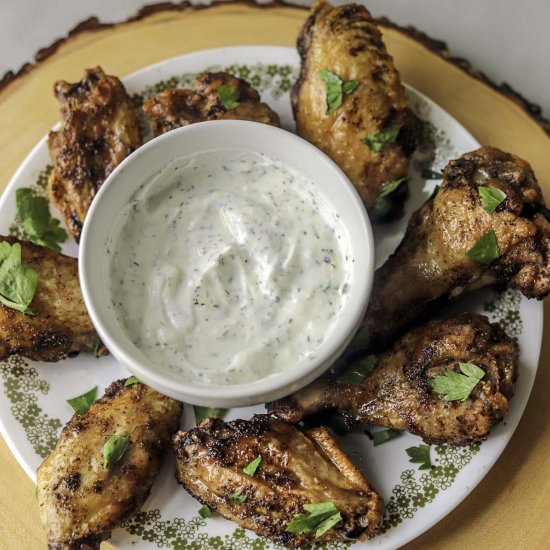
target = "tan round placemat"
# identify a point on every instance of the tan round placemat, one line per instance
(510, 508)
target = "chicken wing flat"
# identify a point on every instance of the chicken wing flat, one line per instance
(432, 263)
(297, 468)
(396, 394)
(61, 326)
(346, 41)
(178, 107)
(81, 501)
(100, 129)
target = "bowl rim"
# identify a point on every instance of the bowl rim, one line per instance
(222, 395)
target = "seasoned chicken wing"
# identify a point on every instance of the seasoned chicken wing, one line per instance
(61, 325)
(296, 468)
(432, 262)
(345, 41)
(100, 129)
(81, 501)
(397, 394)
(178, 107)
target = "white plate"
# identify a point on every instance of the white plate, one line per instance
(33, 406)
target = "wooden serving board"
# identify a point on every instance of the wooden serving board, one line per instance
(508, 508)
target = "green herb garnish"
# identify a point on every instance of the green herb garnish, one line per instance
(207, 412)
(336, 88)
(38, 224)
(454, 386)
(431, 174)
(377, 141)
(83, 402)
(95, 351)
(384, 435)
(390, 187)
(237, 498)
(252, 466)
(360, 342)
(486, 249)
(114, 450)
(321, 518)
(358, 371)
(132, 380)
(17, 282)
(229, 96)
(420, 455)
(491, 197)
(205, 512)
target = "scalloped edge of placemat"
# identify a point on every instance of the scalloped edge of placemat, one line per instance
(438, 47)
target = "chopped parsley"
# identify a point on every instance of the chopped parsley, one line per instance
(486, 249)
(384, 436)
(320, 518)
(132, 380)
(491, 197)
(207, 412)
(205, 512)
(377, 141)
(83, 402)
(457, 386)
(229, 96)
(336, 88)
(114, 449)
(420, 455)
(237, 498)
(390, 187)
(251, 468)
(358, 371)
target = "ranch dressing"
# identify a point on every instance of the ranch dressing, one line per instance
(227, 267)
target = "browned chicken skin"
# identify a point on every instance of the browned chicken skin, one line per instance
(178, 107)
(296, 468)
(431, 263)
(80, 501)
(396, 393)
(61, 326)
(100, 129)
(346, 41)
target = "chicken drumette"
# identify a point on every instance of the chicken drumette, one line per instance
(296, 468)
(237, 100)
(100, 129)
(81, 500)
(432, 262)
(345, 41)
(397, 393)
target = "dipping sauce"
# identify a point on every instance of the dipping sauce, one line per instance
(228, 267)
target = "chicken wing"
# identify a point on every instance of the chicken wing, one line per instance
(345, 41)
(61, 326)
(296, 468)
(432, 263)
(80, 500)
(396, 393)
(100, 129)
(178, 107)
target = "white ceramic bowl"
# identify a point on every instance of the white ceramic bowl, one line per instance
(155, 155)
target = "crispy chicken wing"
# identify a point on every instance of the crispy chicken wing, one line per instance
(432, 264)
(396, 393)
(178, 107)
(61, 326)
(80, 500)
(100, 129)
(346, 41)
(296, 468)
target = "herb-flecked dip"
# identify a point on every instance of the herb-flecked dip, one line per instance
(227, 267)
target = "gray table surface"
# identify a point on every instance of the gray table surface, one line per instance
(506, 39)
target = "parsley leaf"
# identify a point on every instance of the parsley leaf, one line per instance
(431, 174)
(205, 512)
(377, 141)
(207, 412)
(114, 450)
(357, 373)
(38, 224)
(391, 186)
(454, 386)
(420, 455)
(384, 435)
(132, 380)
(17, 282)
(83, 402)
(486, 249)
(491, 197)
(229, 96)
(237, 498)
(321, 518)
(359, 342)
(250, 470)
(335, 89)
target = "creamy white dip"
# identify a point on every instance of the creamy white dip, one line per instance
(227, 267)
